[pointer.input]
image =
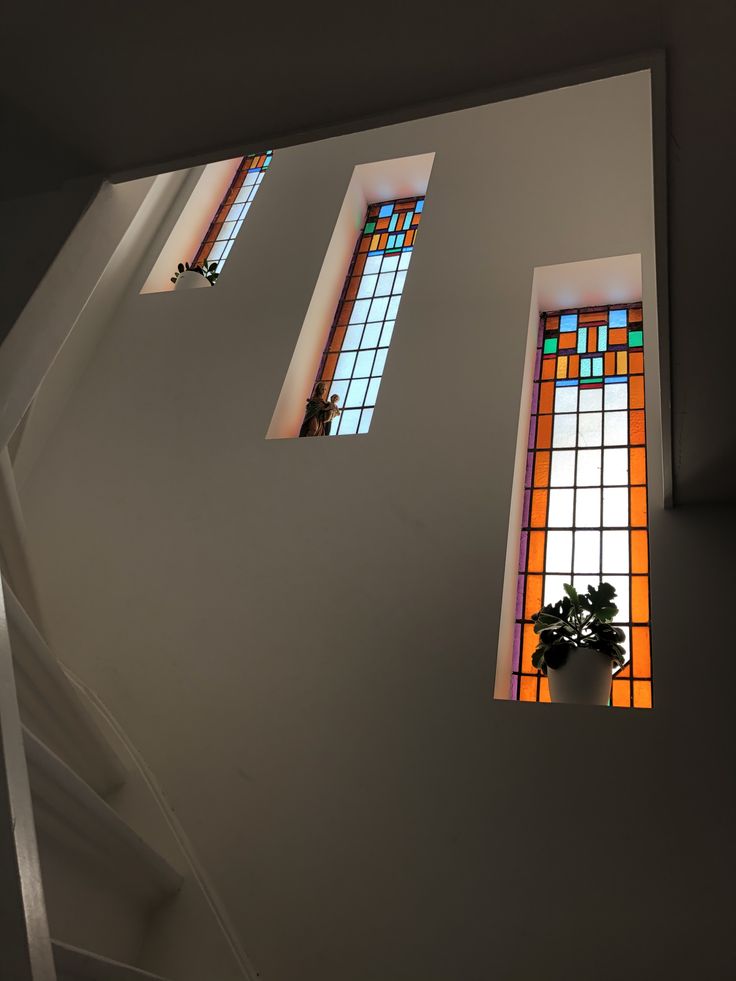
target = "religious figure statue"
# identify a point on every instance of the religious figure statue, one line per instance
(317, 413)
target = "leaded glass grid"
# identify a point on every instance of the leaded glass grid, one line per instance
(585, 492)
(231, 214)
(358, 343)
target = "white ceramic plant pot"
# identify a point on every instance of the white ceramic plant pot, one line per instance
(584, 679)
(189, 280)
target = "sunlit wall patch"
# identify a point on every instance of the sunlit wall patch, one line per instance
(585, 490)
(359, 340)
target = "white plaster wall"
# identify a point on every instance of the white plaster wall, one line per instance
(300, 635)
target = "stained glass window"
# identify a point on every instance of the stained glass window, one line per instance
(355, 355)
(231, 214)
(585, 494)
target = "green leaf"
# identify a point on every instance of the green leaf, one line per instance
(572, 593)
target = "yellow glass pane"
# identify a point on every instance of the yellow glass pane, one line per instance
(621, 693)
(638, 506)
(562, 366)
(641, 652)
(533, 602)
(527, 689)
(636, 363)
(640, 599)
(637, 466)
(539, 509)
(535, 562)
(636, 426)
(642, 694)
(639, 552)
(541, 469)
(620, 362)
(636, 392)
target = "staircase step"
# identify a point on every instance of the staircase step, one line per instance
(71, 813)
(52, 710)
(75, 964)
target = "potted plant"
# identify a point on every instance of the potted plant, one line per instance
(191, 277)
(578, 645)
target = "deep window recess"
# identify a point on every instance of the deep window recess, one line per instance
(355, 355)
(585, 495)
(231, 214)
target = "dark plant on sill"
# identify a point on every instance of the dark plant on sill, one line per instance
(207, 269)
(578, 620)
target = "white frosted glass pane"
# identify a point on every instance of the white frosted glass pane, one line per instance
(216, 251)
(372, 265)
(365, 421)
(349, 421)
(385, 282)
(250, 178)
(591, 399)
(404, 260)
(560, 508)
(566, 399)
(589, 468)
(587, 551)
(234, 213)
(371, 335)
(564, 431)
(378, 308)
(388, 329)
(243, 195)
(615, 506)
(226, 231)
(562, 473)
(626, 642)
(581, 582)
(344, 365)
(225, 253)
(372, 393)
(390, 263)
(615, 551)
(621, 585)
(590, 429)
(559, 551)
(238, 226)
(399, 282)
(615, 395)
(616, 428)
(356, 393)
(352, 337)
(616, 466)
(554, 588)
(367, 286)
(393, 307)
(360, 311)
(363, 364)
(380, 361)
(339, 388)
(588, 507)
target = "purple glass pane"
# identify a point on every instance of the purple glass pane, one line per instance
(525, 513)
(519, 596)
(522, 551)
(529, 466)
(517, 647)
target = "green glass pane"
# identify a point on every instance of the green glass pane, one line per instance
(550, 345)
(636, 338)
(370, 226)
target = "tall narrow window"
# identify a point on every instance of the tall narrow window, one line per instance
(585, 497)
(355, 355)
(231, 214)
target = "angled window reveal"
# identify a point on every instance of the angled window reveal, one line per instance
(228, 221)
(585, 495)
(354, 358)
